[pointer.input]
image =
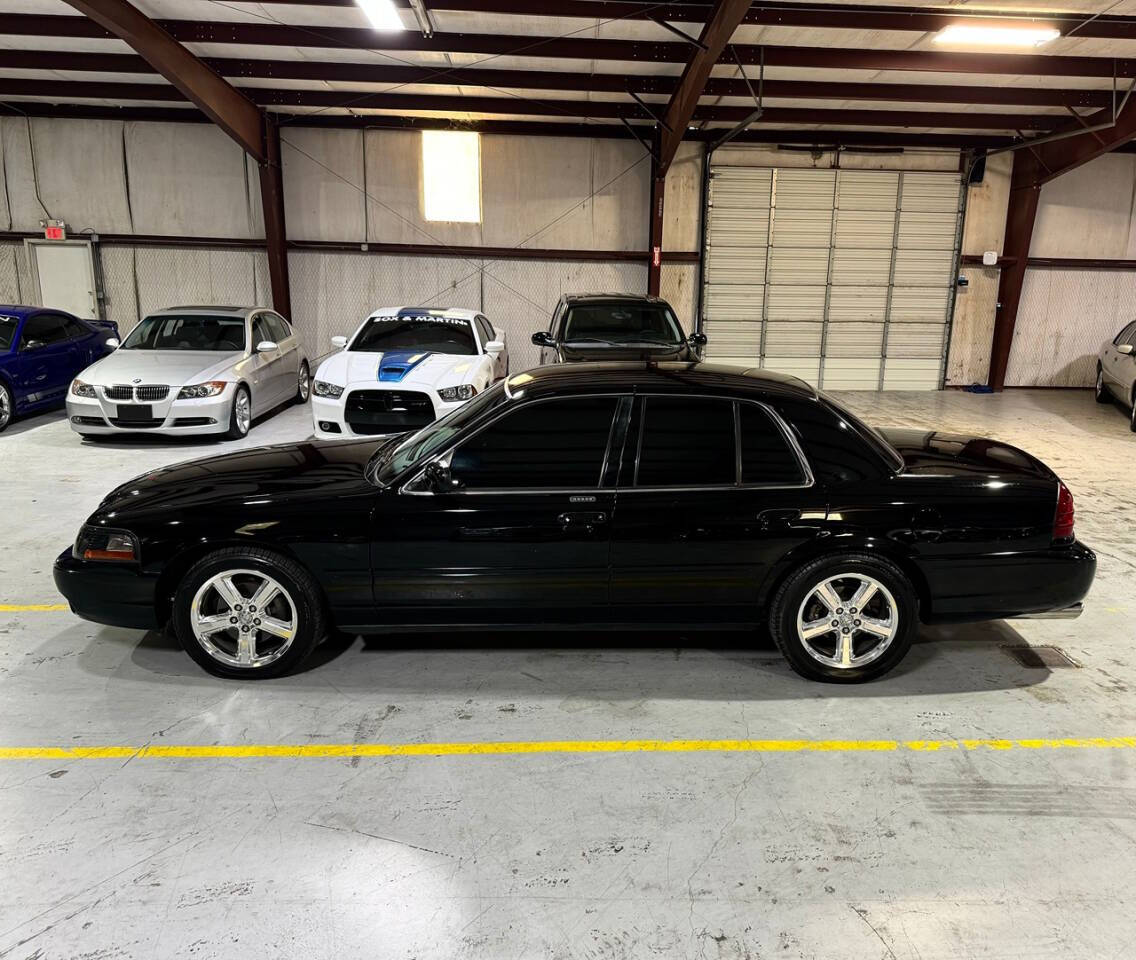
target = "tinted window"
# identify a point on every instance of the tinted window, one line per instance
(261, 329)
(766, 454)
(73, 328)
(42, 329)
(557, 444)
(8, 327)
(279, 327)
(687, 442)
(426, 333)
(622, 323)
(173, 331)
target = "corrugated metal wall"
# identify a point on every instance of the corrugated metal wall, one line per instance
(840, 277)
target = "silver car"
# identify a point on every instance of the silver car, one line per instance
(1116, 371)
(188, 371)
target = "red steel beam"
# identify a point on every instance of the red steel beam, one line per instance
(195, 31)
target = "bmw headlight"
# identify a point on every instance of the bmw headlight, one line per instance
(465, 391)
(324, 389)
(197, 391)
(103, 543)
(80, 389)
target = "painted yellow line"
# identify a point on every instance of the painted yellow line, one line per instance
(32, 607)
(312, 751)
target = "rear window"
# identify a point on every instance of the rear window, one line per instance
(424, 334)
(767, 457)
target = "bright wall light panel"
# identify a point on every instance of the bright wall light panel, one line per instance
(383, 14)
(975, 35)
(451, 175)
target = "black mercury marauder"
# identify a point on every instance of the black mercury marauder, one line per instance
(591, 495)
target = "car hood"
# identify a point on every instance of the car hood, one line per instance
(175, 367)
(405, 369)
(248, 477)
(575, 354)
(933, 453)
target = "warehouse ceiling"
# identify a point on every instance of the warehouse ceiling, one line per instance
(824, 72)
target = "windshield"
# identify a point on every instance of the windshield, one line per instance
(392, 459)
(436, 334)
(172, 331)
(622, 324)
(7, 331)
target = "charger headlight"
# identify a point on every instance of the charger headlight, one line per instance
(322, 388)
(80, 389)
(106, 544)
(198, 391)
(464, 391)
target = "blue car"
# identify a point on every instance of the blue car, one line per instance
(41, 351)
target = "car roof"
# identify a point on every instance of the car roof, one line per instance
(206, 310)
(607, 297)
(21, 311)
(453, 313)
(643, 375)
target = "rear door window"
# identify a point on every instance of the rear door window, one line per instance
(41, 330)
(767, 457)
(687, 442)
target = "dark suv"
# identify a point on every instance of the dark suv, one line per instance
(615, 326)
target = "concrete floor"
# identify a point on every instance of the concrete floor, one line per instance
(897, 854)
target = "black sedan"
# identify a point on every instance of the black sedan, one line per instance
(591, 496)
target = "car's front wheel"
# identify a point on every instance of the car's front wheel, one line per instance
(844, 618)
(7, 407)
(240, 416)
(248, 613)
(1101, 391)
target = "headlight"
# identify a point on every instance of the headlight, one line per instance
(103, 543)
(324, 389)
(81, 389)
(197, 391)
(466, 391)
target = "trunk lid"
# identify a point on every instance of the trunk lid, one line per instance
(932, 453)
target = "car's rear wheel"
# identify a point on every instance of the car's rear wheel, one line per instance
(1132, 414)
(1101, 392)
(304, 383)
(7, 407)
(240, 416)
(248, 613)
(844, 618)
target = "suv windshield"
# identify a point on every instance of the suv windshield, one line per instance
(175, 331)
(622, 323)
(7, 331)
(391, 458)
(437, 334)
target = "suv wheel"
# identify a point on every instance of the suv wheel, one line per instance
(844, 619)
(248, 613)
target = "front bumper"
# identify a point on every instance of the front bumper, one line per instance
(171, 416)
(117, 594)
(328, 413)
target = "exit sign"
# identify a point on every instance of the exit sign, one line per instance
(54, 229)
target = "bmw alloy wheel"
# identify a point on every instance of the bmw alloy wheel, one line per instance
(304, 387)
(243, 619)
(847, 621)
(242, 410)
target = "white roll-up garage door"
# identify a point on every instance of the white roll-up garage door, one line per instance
(840, 277)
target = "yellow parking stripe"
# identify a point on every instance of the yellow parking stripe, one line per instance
(314, 751)
(32, 607)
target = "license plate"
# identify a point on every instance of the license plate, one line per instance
(136, 412)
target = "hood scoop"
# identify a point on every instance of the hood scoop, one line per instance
(396, 364)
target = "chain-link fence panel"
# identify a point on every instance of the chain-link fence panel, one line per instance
(678, 285)
(13, 288)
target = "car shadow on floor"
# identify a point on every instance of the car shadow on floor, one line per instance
(610, 666)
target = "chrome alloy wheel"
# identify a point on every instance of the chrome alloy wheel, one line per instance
(847, 621)
(242, 410)
(5, 406)
(305, 384)
(243, 618)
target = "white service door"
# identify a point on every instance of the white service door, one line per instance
(65, 275)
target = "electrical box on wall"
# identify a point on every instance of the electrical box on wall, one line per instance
(963, 281)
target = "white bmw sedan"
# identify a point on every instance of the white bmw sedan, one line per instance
(403, 368)
(190, 371)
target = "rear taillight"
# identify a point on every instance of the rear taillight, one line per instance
(1063, 519)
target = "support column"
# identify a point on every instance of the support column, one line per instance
(275, 234)
(1020, 216)
(655, 243)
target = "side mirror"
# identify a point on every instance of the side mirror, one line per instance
(697, 339)
(1125, 348)
(440, 479)
(339, 342)
(494, 346)
(542, 338)
(266, 346)
(112, 343)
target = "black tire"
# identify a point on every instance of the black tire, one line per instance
(301, 592)
(304, 384)
(1132, 414)
(236, 430)
(792, 595)
(1101, 391)
(7, 407)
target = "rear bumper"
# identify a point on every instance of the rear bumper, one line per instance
(1000, 586)
(119, 595)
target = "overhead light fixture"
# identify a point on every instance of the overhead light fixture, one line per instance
(988, 36)
(383, 14)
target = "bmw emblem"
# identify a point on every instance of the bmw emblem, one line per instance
(136, 380)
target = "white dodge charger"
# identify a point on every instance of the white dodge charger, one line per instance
(403, 368)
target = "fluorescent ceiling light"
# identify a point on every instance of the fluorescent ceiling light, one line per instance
(383, 14)
(962, 33)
